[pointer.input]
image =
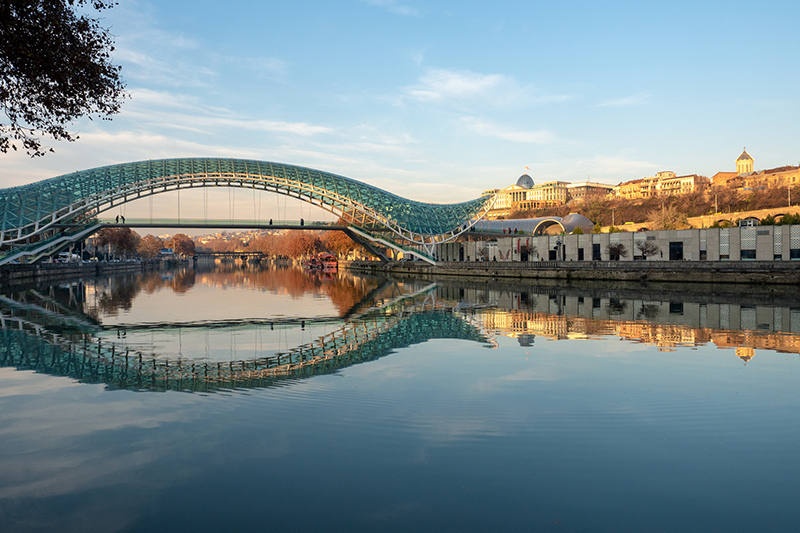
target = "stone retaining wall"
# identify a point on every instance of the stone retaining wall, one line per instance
(22, 274)
(752, 272)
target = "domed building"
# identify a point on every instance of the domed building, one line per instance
(525, 181)
(525, 194)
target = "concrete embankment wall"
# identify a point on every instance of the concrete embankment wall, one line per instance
(22, 274)
(752, 272)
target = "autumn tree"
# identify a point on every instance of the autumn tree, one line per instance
(149, 246)
(122, 241)
(669, 216)
(182, 244)
(338, 242)
(265, 243)
(302, 243)
(55, 66)
(594, 207)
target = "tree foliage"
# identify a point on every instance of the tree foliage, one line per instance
(55, 66)
(668, 216)
(301, 243)
(337, 242)
(788, 219)
(122, 241)
(150, 246)
(183, 245)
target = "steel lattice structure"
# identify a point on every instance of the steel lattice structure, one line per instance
(33, 210)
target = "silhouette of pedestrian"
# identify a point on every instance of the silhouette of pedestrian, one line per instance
(123, 218)
(117, 219)
(270, 222)
(302, 222)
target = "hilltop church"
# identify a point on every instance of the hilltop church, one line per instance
(746, 178)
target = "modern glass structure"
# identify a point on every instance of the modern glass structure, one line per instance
(40, 210)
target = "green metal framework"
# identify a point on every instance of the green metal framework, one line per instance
(36, 210)
(61, 342)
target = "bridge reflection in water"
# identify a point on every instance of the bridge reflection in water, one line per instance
(46, 345)
(56, 330)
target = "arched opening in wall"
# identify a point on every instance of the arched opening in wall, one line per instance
(549, 227)
(723, 223)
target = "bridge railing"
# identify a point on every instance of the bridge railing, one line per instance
(35, 251)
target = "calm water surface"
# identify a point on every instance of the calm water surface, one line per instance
(246, 399)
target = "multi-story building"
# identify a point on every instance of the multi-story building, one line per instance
(582, 190)
(526, 195)
(664, 183)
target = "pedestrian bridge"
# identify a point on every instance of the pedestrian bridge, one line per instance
(69, 204)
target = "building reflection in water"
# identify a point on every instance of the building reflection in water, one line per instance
(666, 324)
(74, 329)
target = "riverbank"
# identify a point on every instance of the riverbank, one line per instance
(24, 274)
(749, 272)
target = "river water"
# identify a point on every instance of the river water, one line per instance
(238, 398)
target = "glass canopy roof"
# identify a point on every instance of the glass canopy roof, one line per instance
(70, 196)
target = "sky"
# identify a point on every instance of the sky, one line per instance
(439, 101)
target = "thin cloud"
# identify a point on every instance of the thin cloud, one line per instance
(610, 169)
(146, 68)
(440, 84)
(169, 110)
(490, 129)
(444, 85)
(263, 67)
(395, 7)
(627, 101)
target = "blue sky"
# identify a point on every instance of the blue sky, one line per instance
(437, 101)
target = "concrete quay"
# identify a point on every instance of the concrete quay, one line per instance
(694, 272)
(24, 274)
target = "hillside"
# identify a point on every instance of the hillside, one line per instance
(662, 211)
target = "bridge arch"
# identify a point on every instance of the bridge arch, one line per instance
(31, 211)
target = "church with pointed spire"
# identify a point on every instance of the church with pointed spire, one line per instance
(744, 163)
(747, 178)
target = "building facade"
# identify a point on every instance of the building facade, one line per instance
(586, 189)
(762, 243)
(664, 183)
(525, 195)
